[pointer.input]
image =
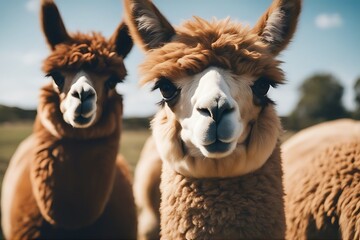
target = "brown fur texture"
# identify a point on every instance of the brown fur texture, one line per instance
(147, 191)
(322, 181)
(238, 195)
(224, 208)
(86, 51)
(68, 182)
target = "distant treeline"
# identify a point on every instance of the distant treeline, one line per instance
(134, 123)
(15, 114)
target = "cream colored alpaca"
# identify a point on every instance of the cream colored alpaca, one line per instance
(66, 180)
(322, 181)
(217, 131)
(147, 191)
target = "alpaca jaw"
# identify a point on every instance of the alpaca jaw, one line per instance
(214, 125)
(253, 147)
(79, 106)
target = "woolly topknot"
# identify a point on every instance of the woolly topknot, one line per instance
(199, 44)
(87, 51)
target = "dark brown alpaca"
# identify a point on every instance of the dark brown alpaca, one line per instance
(66, 179)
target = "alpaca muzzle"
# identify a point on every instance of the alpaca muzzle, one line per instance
(80, 104)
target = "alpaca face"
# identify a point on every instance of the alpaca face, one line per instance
(209, 115)
(82, 95)
(216, 119)
(85, 69)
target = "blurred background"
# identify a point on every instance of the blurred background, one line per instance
(322, 64)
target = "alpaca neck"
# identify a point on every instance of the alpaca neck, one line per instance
(226, 208)
(72, 177)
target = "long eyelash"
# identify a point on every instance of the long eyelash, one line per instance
(271, 82)
(169, 101)
(274, 84)
(161, 103)
(156, 86)
(117, 79)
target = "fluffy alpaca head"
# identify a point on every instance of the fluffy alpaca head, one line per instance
(216, 119)
(84, 68)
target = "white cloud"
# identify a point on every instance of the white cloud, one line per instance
(32, 5)
(32, 58)
(326, 21)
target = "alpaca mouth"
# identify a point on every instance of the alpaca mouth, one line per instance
(218, 147)
(80, 120)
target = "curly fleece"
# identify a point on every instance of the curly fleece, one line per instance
(323, 194)
(245, 207)
(86, 51)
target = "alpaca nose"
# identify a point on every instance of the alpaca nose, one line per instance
(217, 109)
(83, 94)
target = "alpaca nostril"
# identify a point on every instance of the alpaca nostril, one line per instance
(86, 95)
(218, 111)
(228, 110)
(222, 108)
(83, 95)
(75, 94)
(204, 112)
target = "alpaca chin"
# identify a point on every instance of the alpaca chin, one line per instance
(79, 121)
(218, 149)
(215, 150)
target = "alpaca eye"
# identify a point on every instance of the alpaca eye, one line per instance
(168, 90)
(261, 86)
(112, 81)
(57, 77)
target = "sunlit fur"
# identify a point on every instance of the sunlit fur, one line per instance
(321, 180)
(232, 192)
(66, 180)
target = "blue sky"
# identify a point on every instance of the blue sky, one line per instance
(327, 40)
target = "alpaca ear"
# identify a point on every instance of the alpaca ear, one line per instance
(277, 25)
(122, 40)
(52, 24)
(148, 27)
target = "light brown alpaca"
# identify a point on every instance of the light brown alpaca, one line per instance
(66, 180)
(322, 181)
(217, 131)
